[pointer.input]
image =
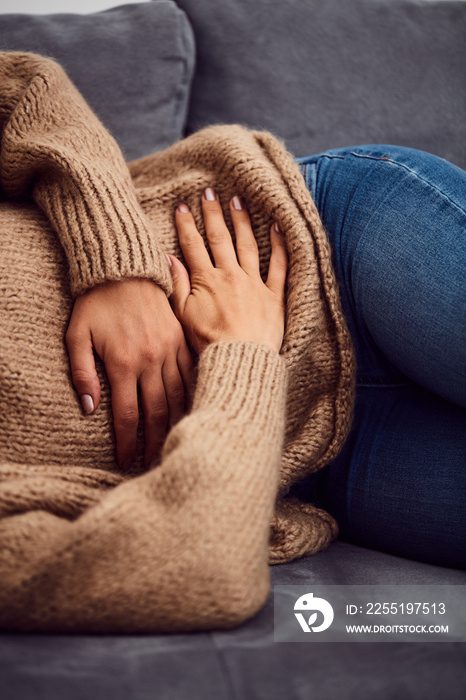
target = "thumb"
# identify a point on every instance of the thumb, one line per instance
(83, 372)
(181, 286)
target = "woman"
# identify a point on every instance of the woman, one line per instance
(185, 545)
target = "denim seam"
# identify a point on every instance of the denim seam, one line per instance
(387, 159)
(410, 170)
(303, 169)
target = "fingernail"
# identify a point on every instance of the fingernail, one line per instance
(210, 195)
(127, 464)
(278, 229)
(87, 403)
(183, 208)
(168, 260)
(238, 203)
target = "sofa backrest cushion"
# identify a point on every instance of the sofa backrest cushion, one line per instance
(133, 64)
(326, 73)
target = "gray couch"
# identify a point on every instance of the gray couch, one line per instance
(319, 74)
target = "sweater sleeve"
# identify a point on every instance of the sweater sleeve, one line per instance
(182, 547)
(55, 150)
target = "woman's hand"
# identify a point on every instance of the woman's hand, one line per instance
(228, 301)
(134, 331)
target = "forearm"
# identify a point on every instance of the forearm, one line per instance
(183, 547)
(55, 149)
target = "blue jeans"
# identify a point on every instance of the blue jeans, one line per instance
(396, 221)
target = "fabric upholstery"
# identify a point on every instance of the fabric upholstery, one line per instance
(328, 74)
(246, 663)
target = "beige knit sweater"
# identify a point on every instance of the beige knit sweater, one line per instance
(186, 545)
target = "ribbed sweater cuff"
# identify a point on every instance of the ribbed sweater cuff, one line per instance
(241, 378)
(103, 231)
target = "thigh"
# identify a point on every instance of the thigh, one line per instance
(397, 226)
(396, 220)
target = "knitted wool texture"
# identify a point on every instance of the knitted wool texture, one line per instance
(81, 529)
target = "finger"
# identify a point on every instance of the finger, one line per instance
(218, 235)
(278, 265)
(246, 245)
(155, 408)
(125, 416)
(186, 368)
(191, 242)
(174, 391)
(83, 372)
(181, 286)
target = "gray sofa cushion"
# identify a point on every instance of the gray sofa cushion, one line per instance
(133, 64)
(328, 74)
(246, 663)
